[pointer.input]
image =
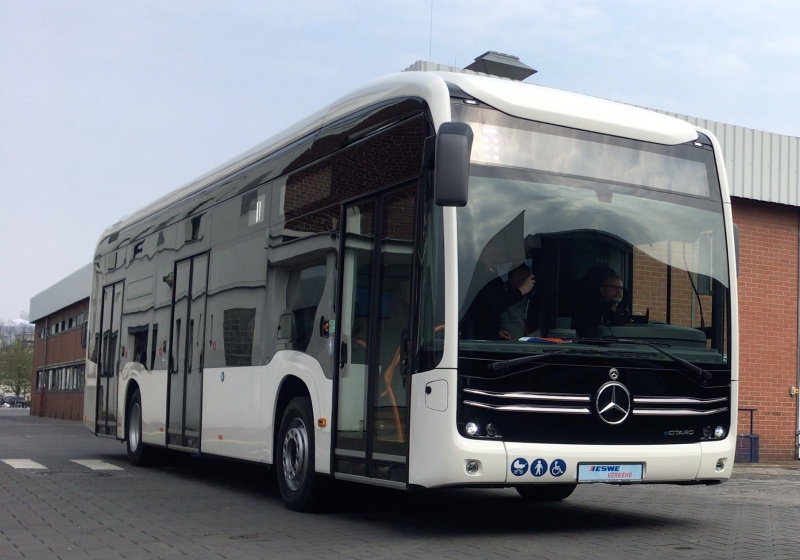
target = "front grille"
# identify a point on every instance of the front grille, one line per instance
(560, 403)
(521, 401)
(592, 401)
(676, 406)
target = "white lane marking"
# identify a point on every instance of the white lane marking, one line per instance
(96, 465)
(23, 464)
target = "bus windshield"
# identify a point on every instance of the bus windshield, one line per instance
(570, 235)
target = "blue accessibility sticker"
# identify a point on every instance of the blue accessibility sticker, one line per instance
(519, 467)
(538, 467)
(558, 467)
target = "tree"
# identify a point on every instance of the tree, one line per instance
(16, 364)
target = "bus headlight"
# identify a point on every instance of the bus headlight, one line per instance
(472, 429)
(479, 430)
(718, 432)
(492, 431)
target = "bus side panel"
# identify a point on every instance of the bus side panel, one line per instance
(153, 389)
(90, 397)
(90, 388)
(239, 416)
(235, 424)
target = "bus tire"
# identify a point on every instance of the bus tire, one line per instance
(540, 493)
(139, 454)
(297, 479)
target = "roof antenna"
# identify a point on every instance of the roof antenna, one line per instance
(430, 35)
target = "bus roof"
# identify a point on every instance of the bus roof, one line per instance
(573, 110)
(520, 99)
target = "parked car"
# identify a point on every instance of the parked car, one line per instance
(15, 402)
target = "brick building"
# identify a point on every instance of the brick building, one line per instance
(768, 324)
(764, 180)
(59, 349)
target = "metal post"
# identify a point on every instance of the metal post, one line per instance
(797, 356)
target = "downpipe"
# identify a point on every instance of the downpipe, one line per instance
(794, 390)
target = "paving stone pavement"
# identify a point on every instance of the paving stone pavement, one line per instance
(213, 509)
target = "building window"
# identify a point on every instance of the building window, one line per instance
(68, 378)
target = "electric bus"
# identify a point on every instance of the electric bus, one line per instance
(319, 304)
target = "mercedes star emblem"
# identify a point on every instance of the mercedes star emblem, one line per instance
(613, 402)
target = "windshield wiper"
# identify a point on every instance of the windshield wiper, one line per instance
(505, 364)
(703, 376)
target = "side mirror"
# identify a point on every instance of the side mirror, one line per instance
(451, 165)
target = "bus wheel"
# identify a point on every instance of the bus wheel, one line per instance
(297, 480)
(545, 492)
(138, 453)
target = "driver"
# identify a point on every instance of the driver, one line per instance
(606, 310)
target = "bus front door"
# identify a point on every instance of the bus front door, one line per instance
(374, 342)
(190, 279)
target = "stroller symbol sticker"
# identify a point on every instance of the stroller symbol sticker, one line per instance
(519, 467)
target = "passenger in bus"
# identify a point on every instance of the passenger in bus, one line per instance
(519, 319)
(606, 308)
(482, 321)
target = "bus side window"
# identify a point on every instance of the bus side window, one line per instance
(303, 295)
(138, 342)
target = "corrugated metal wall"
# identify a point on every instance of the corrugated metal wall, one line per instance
(761, 165)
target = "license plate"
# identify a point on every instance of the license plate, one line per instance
(610, 472)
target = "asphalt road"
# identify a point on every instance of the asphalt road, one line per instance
(202, 508)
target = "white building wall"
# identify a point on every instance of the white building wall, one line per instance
(64, 293)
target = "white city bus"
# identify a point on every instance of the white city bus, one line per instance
(321, 304)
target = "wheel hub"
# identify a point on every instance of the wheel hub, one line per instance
(295, 454)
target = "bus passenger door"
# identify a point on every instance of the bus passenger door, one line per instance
(190, 280)
(374, 340)
(107, 345)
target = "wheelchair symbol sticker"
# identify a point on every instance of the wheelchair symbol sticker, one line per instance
(519, 467)
(558, 467)
(538, 467)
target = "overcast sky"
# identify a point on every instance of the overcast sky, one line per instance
(108, 105)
